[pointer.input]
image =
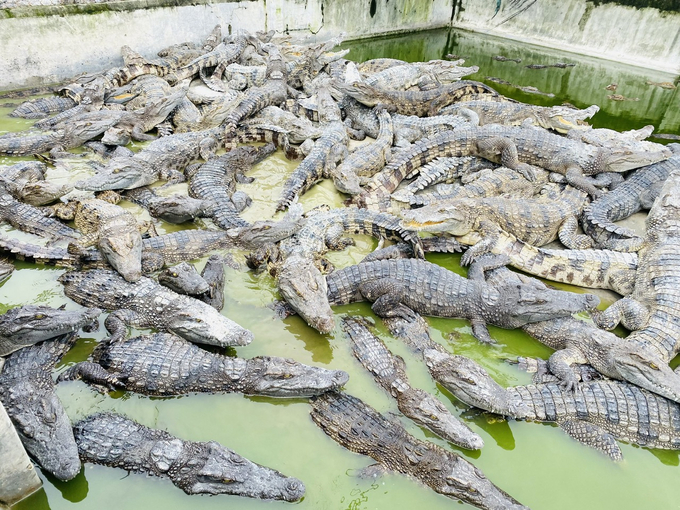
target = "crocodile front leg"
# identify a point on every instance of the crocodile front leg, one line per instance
(575, 177)
(593, 436)
(116, 324)
(560, 365)
(506, 148)
(387, 295)
(627, 311)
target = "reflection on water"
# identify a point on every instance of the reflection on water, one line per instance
(520, 457)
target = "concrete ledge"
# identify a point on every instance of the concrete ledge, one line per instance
(18, 478)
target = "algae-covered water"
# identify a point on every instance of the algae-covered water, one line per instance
(536, 463)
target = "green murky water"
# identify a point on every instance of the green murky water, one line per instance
(536, 463)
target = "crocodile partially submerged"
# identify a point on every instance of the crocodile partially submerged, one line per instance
(183, 278)
(27, 393)
(132, 365)
(513, 147)
(29, 324)
(195, 467)
(145, 303)
(173, 209)
(389, 372)
(361, 429)
(595, 413)
(638, 192)
(398, 286)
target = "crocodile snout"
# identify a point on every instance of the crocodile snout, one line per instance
(592, 301)
(340, 378)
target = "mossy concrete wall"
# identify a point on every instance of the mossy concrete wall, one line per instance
(45, 44)
(639, 33)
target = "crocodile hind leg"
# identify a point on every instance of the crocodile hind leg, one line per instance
(560, 365)
(570, 238)
(627, 311)
(93, 374)
(116, 324)
(593, 436)
(387, 296)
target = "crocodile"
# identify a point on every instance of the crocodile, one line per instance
(26, 325)
(71, 135)
(146, 303)
(419, 74)
(213, 275)
(389, 372)
(195, 467)
(594, 269)
(402, 250)
(37, 193)
(29, 171)
(31, 219)
(595, 413)
(366, 160)
(513, 147)
(328, 150)
(299, 280)
(133, 365)
(215, 182)
(162, 159)
(173, 209)
(23, 250)
(557, 118)
(112, 229)
(27, 393)
(536, 222)
(421, 103)
(638, 192)
(361, 429)
(183, 278)
(652, 311)
(298, 129)
(42, 107)
(273, 92)
(429, 289)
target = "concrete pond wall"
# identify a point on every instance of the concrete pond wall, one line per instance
(46, 41)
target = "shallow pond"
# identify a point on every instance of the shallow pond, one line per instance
(536, 463)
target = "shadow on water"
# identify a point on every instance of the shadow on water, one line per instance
(582, 85)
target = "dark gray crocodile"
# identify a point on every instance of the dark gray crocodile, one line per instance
(215, 182)
(398, 286)
(173, 209)
(328, 150)
(183, 278)
(145, 303)
(133, 365)
(513, 147)
(389, 372)
(31, 219)
(361, 429)
(27, 392)
(652, 311)
(195, 467)
(29, 324)
(213, 275)
(638, 192)
(595, 413)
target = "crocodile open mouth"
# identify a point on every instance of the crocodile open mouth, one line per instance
(418, 224)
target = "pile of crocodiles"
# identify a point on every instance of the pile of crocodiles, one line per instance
(415, 148)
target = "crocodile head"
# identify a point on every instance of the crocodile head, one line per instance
(472, 384)
(121, 173)
(214, 469)
(44, 428)
(454, 217)
(84, 130)
(304, 288)
(41, 192)
(124, 252)
(643, 367)
(621, 159)
(183, 279)
(264, 232)
(346, 180)
(563, 119)
(30, 324)
(284, 377)
(178, 208)
(532, 301)
(198, 322)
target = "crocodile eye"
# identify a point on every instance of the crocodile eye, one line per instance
(472, 489)
(287, 376)
(39, 316)
(174, 275)
(198, 320)
(653, 366)
(434, 417)
(266, 227)
(116, 171)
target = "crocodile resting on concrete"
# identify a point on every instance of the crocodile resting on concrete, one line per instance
(398, 287)
(596, 413)
(513, 147)
(195, 467)
(27, 392)
(133, 365)
(145, 303)
(361, 429)
(390, 373)
(29, 324)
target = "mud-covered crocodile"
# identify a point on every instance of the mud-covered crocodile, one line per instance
(390, 373)
(133, 365)
(27, 392)
(195, 467)
(361, 429)
(146, 303)
(398, 286)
